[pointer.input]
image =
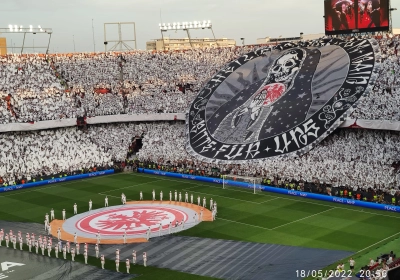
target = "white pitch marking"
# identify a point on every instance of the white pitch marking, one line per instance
(227, 197)
(132, 186)
(303, 218)
(242, 223)
(270, 200)
(287, 198)
(378, 242)
(109, 195)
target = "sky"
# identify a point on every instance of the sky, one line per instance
(71, 20)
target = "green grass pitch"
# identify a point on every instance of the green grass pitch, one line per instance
(242, 215)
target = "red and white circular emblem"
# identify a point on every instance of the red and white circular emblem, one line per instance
(133, 220)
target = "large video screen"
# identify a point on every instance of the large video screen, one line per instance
(354, 16)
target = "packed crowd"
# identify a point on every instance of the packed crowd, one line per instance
(356, 159)
(30, 91)
(384, 100)
(28, 155)
(347, 161)
(37, 88)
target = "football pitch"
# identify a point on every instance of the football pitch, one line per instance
(242, 216)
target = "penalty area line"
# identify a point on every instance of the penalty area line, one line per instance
(242, 223)
(227, 197)
(131, 186)
(109, 195)
(304, 218)
(268, 194)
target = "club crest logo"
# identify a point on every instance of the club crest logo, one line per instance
(281, 100)
(133, 220)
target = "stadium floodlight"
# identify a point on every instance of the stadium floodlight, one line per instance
(186, 26)
(15, 28)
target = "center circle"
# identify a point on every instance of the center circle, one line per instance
(132, 219)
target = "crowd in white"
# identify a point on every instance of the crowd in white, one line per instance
(357, 158)
(30, 154)
(37, 88)
(70, 85)
(383, 102)
(33, 89)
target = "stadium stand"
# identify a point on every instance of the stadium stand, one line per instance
(37, 88)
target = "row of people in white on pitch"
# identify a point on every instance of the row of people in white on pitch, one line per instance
(177, 198)
(46, 244)
(213, 208)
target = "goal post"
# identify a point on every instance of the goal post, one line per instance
(253, 182)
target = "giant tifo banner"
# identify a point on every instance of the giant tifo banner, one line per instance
(328, 198)
(281, 100)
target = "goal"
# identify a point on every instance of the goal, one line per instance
(253, 182)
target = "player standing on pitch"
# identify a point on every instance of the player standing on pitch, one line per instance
(134, 257)
(85, 255)
(96, 249)
(73, 254)
(102, 260)
(56, 251)
(20, 240)
(144, 259)
(7, 240)
(65, 252)
(128, 265)
(30, 245)
(98, 237)
(117, 265)
(148, 234)
(49, 249)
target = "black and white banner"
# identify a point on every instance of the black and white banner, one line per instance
(280, 100)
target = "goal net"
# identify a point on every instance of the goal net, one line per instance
(252, 182)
